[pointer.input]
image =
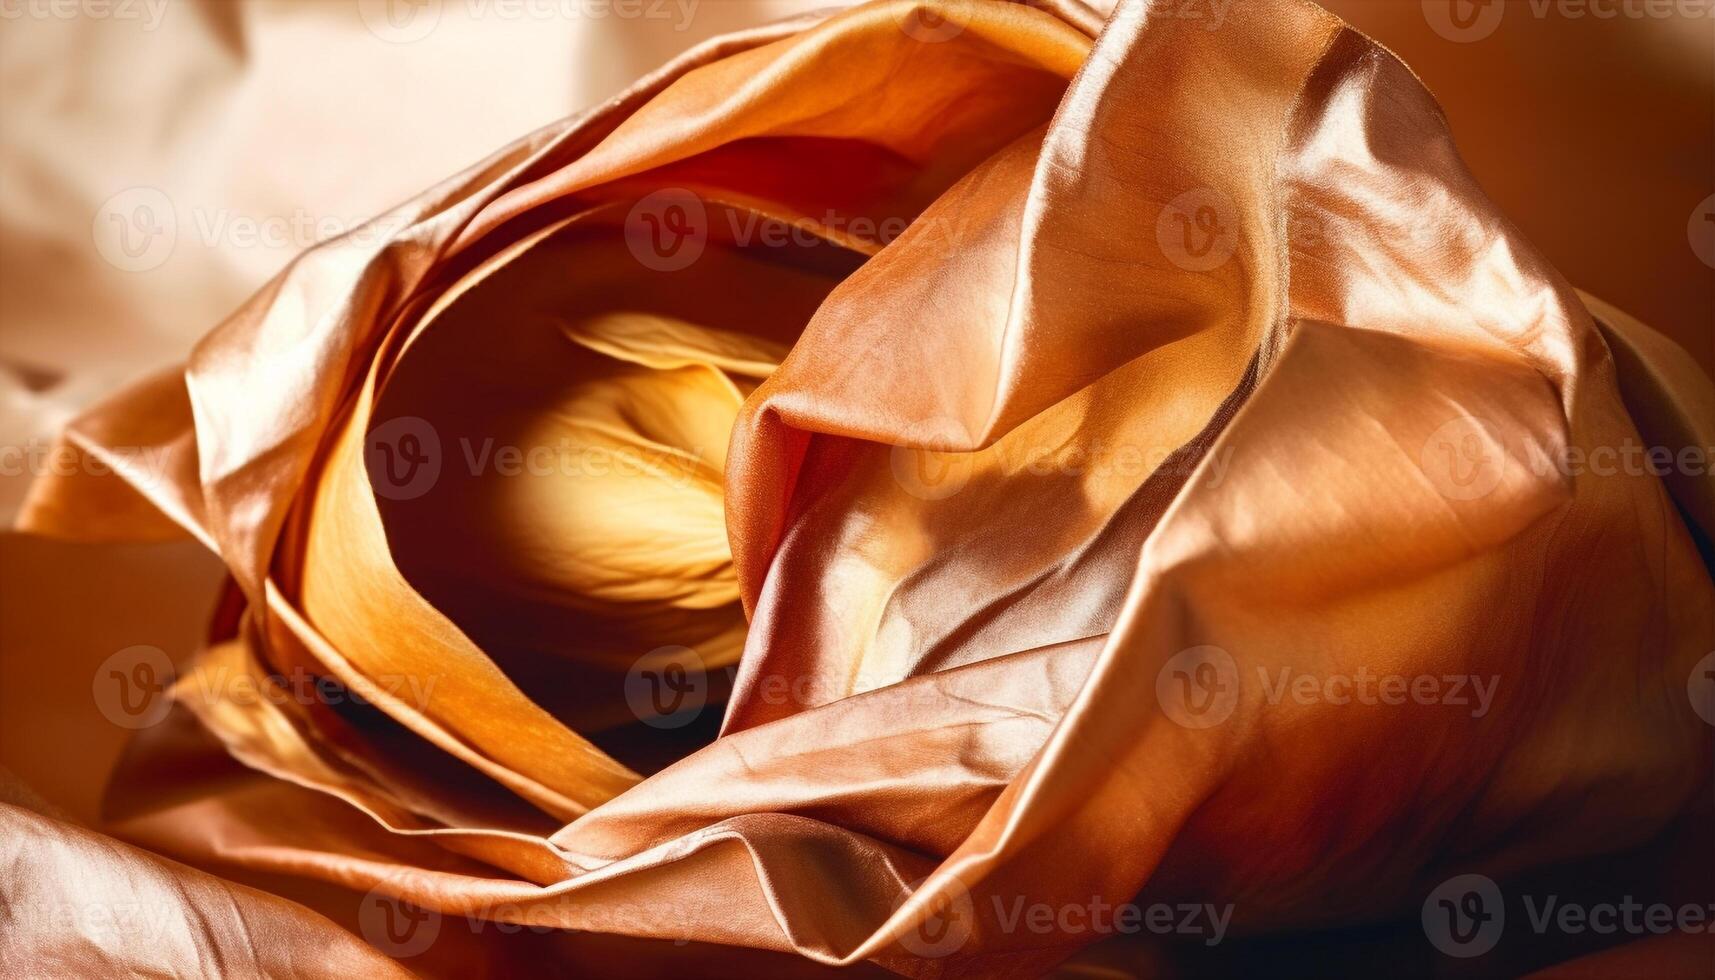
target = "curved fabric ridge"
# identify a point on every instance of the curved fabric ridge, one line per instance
(772, 91)
(357, 615)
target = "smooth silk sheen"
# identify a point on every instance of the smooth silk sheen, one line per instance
(1151, 452)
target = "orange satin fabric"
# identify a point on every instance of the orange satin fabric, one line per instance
(1163, 360)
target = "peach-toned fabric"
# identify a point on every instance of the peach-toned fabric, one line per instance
(1102, 372)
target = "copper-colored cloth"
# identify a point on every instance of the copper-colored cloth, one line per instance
(1199, 362)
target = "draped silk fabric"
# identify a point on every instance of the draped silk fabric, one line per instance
(1192, 340)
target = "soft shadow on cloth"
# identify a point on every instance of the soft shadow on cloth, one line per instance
(1033, 408)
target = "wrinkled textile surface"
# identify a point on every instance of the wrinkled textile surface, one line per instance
(1106, 372)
